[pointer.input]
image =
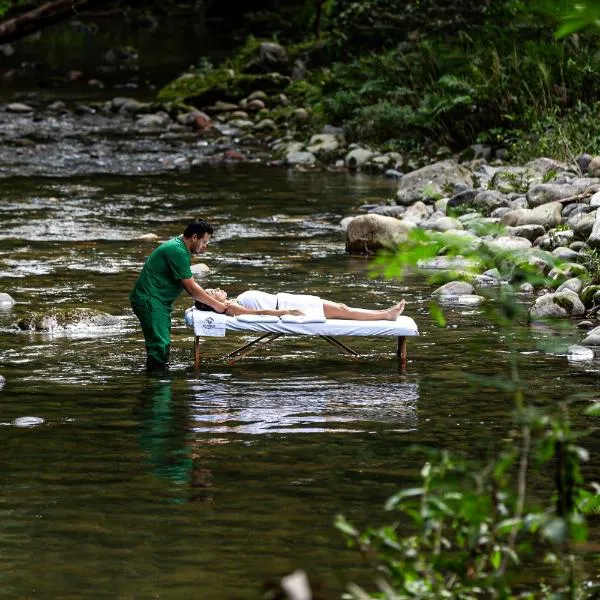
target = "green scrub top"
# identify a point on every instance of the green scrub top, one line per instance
(160, 279)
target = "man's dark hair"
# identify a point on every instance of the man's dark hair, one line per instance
(198, 227)
(201, 306)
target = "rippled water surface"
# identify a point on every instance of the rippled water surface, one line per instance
(209, 484)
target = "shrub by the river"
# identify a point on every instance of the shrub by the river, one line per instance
(474, 526)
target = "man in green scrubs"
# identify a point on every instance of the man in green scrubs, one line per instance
(165, 274)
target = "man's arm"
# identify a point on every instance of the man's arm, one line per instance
(197, 293)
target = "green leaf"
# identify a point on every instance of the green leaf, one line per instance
(593, 410)
(345, 527)
(496, 558)
(437, 314)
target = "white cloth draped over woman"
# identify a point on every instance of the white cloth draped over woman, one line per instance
(311, 306)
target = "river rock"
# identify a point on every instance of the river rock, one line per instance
(594, 240)
(417, 213)
(241, 123)
(147, 237)
(438, 178)
(60, 319)
(266, 125)
(566, 254)
(6, 300)
(388, 211)
(27, 421)
(592, 338)
(574, 284)
(345, 222)
(368, 233)
(357, 158)
(200, 269)
(300, 158)
(529, 232)
(155, 121)
(577, 353)
(2, 381)
(447, 224)
(507, 244)
(582, 225)
(513, 179)
(462, 299)
(558, 305)
(125, 105)
(583, 162)
(268, 58)
(566, 271)
(488, 200)
(454, 288)
(590, 295)
(548, 215)
(544, 166)
(549, 192)
(594, 167)
(325, 143)
(17, 107)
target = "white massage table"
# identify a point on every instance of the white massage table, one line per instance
(214, 325)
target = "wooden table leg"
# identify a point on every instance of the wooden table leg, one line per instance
(197, 353)
(401, 351)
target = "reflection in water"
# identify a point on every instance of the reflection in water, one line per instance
(163, 433)
(302, 405)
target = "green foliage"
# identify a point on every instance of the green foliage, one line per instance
(465, 530)
(591, 260)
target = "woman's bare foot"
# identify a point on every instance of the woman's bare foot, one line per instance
(393, 313)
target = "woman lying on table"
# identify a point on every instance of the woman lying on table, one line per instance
(254, 302)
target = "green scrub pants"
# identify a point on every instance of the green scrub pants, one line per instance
(155, 319)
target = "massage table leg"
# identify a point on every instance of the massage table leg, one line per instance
(197, 353)
(251, 347)
(339, 344)
(401, 352)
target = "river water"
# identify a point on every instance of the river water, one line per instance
(210, 484)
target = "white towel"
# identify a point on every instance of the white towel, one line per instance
(311, 306)
(257, 318)
(210, 323)
(313, 318)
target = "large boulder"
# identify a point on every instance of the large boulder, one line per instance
(454, 288)
(65, 319)
(368, 233)
(547, 215)
(549, 192)
(441, 178)
(594, 239)
(269, 58)
(559, 305)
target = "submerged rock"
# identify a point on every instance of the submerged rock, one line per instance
(27, 421)
(577, 353)
(61, 319)
(2, 381)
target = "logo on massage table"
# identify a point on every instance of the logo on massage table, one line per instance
(208, 323)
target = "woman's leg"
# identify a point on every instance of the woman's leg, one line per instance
(334, 310)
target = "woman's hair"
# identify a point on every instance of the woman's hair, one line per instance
(201, 306)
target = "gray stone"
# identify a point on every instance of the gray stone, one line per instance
(583, 162)
(461, 198)
(325, 143)
(574, 284)
(18, 107)
(454, 288)
(514, 179)
(368, 233)
(241, 124)
(438, 178)
(6, 300)
(300, 158)
(498, 213)
(345, 222)
(578, 353)
(582, 225)
(549, 192)
(447, 224)
(577, 246)
(156, 121)
(529, 232)
(417, 213)
(594, 166)
(507, 244)
(394, 174)
(266, 125)
(594, 240)
(65, 319)
(595, 200)
(147, 237)
(388, 211)
(2, 381)
(544, 166)
(566, 271)
(566, 254)
(559, 305)
(577, 208)
(488, 200)
(592, 338)
(526, 288)
(357, 158)
(200, 269)
(547, 215)
(462, 299)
